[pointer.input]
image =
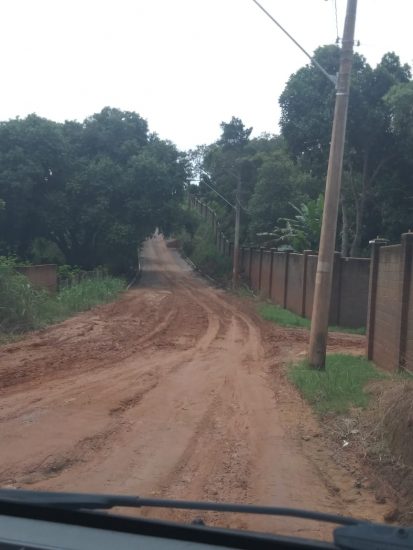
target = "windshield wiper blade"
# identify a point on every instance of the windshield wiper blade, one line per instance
(353, 535)
(84, 501)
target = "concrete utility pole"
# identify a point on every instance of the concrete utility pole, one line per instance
(323, 282)
(235, 267)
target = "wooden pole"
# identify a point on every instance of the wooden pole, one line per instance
(323, 283)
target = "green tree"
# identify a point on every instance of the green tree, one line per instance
(399, 101)
(279, 183)
(302, 231)
(307, 108)
(96, 189)
(225, 164)
(32, 162)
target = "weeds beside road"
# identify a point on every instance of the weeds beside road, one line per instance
(200, 247)
(337, 388)
(25, 308)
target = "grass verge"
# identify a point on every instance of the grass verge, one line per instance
(337, 388)
(79, 297)
(281, 316)
(24, 308)
(286, 318)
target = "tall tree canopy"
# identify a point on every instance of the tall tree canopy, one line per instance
(270, 181)
(96, 189)
(284, 174)
(373, 146)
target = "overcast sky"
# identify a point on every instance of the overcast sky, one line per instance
(184, 65)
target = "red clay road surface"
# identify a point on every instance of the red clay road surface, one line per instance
(176, 390)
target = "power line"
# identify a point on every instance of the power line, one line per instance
(224, 199)
(330, 77)
(219, 194)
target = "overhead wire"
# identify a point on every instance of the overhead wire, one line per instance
(218, 193)
(330, 77)
(224, 199)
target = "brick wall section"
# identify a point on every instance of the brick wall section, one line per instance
(354, 291)
(350, 281)
(334, 316)
(295, 283)
(409, 332)
(245, 262)
(385, 348)
(265, 274)
(310, 285)
(41, 276)
(255, 268)
(279, 262)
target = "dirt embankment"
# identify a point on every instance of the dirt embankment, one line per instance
(176, 390)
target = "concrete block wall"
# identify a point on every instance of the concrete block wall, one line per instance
(288, 279)
(409, 321)
(354, 290)
(377, 291)
(265, 281)
(279, 278)
(390, 305)
(255, 269)
(41, 276)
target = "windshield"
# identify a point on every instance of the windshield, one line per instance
(174, 320)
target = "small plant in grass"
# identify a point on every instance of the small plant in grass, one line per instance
(337, 388)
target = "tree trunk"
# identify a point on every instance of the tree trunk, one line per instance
(356, 244)
(344, 230)
(366, 183)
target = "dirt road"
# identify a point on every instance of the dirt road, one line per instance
(175, 390)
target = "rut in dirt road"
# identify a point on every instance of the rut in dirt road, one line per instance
(171, 391)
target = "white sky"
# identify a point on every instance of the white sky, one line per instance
(184, 65)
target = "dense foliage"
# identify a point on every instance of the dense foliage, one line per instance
(199, 245)
(86, 193)
(376, 174)
(283, 176)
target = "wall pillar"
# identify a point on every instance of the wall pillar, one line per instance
(260, 268)
(287, 258)
(306, 253)
(272, 250)
(404, 300)
(371, 307)
(250, 264)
